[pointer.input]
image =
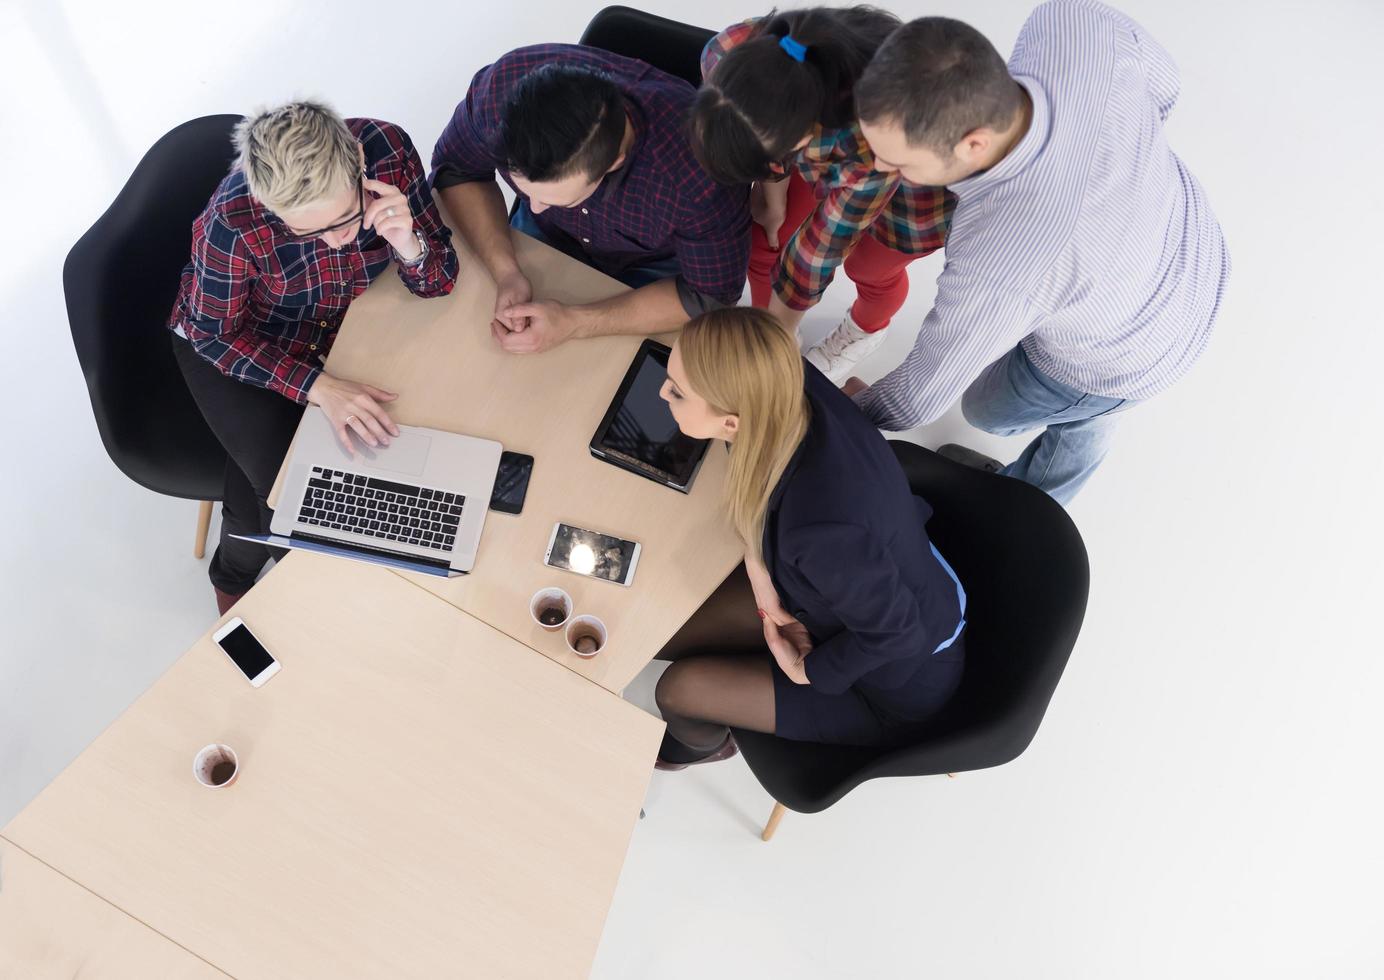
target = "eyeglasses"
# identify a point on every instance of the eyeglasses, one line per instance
(359, 215)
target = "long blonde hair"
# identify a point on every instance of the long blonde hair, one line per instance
(744, 363)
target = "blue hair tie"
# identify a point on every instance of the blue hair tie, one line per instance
(795, 49)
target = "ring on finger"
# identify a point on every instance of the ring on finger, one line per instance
(351, 420)
(389, 212)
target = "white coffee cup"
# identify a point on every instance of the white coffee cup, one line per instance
(216, 766)
(583, 629)
(547, 599)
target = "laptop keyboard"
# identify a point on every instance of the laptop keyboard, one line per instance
(381, 509)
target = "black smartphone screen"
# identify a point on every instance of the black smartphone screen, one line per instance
(511, 483)
(246, 651)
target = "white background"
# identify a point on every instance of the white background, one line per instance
(1203, 799)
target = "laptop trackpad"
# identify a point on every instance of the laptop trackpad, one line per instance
(406, 453)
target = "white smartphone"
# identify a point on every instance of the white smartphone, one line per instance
(246, 652)
(592, 553)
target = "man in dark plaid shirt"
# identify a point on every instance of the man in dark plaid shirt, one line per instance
(594, 146)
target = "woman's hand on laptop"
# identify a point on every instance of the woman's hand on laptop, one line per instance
(354, 407)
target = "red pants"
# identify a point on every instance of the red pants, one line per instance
(880, 274)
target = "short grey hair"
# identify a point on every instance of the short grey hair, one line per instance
(295, 154)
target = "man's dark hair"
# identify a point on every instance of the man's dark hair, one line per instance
(938, 79)
(758, 101)
(561, 120)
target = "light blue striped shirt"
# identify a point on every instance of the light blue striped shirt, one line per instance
(1090, 243)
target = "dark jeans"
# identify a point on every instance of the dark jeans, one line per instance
(255, 426)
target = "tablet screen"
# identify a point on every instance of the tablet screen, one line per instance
(640, 428)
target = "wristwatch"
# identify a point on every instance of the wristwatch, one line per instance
(422, 252)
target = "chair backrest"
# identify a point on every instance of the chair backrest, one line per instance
(668, 45)
(120, 281)
(1026, 575)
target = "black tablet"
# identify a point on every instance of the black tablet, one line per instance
(638, 432)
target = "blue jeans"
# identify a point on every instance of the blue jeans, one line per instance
(1013, 396)
(640, 275)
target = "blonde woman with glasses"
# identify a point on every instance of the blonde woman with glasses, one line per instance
(314, 209)
(844, 625)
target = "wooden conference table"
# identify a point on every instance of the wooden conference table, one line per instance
(449, 373)
(50, 926)
(420, 796)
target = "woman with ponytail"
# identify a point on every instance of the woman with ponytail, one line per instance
(777, 108)
(844, 624)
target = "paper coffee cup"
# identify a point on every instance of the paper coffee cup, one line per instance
(550, 609)
(586, 636)
(216, 766)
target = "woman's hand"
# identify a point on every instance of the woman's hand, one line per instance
(391, 217)
(790, 646)
(354, 407)
(766, 597)
(769, 207)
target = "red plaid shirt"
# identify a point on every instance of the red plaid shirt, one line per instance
(853, 199)
(659, 204)
(263, 307)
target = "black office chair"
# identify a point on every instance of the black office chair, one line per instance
(120, 280)
(668, 45)
(1026, 576)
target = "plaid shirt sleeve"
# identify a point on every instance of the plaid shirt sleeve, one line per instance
(463, 153)
(437, 273)
(810, 258)
(717, 47)
(712, 242)
(217, 324)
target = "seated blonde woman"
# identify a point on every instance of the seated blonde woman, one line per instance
(314, 209)
(844, 625)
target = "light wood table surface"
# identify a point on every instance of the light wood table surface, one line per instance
(420, 796)
(449, 373)
(51, 928)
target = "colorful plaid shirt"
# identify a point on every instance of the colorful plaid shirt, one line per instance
(853, 199)
(659, 204)
(264, 307)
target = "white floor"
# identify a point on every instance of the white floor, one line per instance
(1204, 798)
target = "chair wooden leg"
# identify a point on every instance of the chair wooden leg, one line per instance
(773, 823)
(199, 545)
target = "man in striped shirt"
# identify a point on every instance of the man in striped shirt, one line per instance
(1084, 267)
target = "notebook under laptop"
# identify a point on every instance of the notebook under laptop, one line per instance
(418, 503)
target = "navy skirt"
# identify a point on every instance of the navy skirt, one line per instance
(863, 717)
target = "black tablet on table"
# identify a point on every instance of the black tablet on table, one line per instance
(638, 432)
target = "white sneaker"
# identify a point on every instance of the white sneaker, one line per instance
(844, 348)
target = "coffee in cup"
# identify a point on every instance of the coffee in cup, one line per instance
(586, 636)
(550, 608)
(216, 766)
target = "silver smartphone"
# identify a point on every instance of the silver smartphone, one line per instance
(591, 553)
(246, 652)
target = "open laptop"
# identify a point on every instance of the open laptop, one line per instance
(418, 503)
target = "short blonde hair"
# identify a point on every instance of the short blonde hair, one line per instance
(296, 154)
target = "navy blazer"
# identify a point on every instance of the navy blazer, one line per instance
(846, 547)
